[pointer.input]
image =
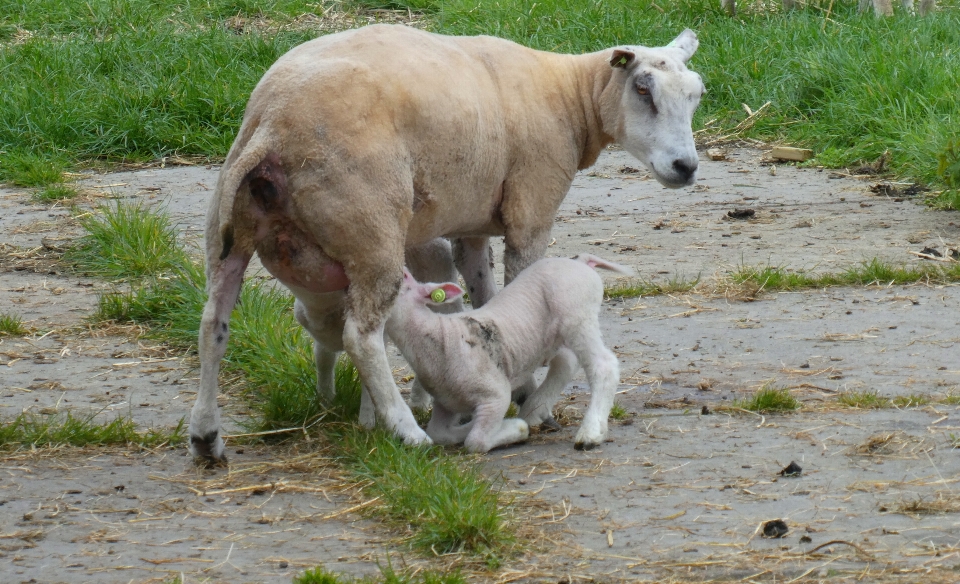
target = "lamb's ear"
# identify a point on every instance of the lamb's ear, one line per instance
(622, 58)
(450, 293)
(686, 43)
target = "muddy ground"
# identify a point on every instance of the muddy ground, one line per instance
(673, 494)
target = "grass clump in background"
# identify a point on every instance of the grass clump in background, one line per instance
(12, 325)
(636, 288)
(51, 430)
(868, 273)
(769, 399)
(127, 241)
(55, 193)
(863, 400)
(320, 575)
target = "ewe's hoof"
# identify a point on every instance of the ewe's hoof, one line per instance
(208, 450)
(584, 446)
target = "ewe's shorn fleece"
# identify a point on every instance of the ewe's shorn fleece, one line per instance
(474, 362)
(360, 145)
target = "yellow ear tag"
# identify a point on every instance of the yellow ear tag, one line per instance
(438, 295)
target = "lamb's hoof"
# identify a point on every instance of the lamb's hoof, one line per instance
(208, 450)
(584, 446)
(550, 425)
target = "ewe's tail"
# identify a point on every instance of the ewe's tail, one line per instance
(256, 155)
(595, 262)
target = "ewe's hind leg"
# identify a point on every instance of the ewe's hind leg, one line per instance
(474, 259)
(490, 430)
(603, 374)
(443, 427)
(537, 408)
(322, 317)
(223, 287)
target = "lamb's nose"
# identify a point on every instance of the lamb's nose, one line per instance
(684, 169)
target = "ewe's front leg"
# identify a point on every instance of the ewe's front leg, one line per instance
(521, 250)
(373, 290)
(224, 279)
(321, 315)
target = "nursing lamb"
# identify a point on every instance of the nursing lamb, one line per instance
(471, 362)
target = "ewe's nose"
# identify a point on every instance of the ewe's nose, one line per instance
(685, 169)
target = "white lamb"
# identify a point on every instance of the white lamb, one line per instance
(471, 362)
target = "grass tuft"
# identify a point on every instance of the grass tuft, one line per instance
(769, 399)
(618, 412)
(29, 429)
(12, 325)
(127, 241)
(911, 401)
(55, 193)
(868, 273)
(444, 498)
(636, 288)
(28, 169)
(863, 400)
(320, 575)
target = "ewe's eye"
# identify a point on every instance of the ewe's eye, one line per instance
(643, 91)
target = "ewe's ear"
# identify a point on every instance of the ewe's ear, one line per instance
(622, 58)
(686, 43)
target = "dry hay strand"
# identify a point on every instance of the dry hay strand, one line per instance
(44, 259)
(942, 504)
(896, 443)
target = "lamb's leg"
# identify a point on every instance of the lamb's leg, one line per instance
(603, 374)
(474, 260)
(489, 428)
(537, 408)
(443, 427)
(224, 278)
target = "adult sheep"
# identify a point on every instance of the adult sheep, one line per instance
(357, 145)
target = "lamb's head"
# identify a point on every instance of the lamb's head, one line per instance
(648, 107)
(413, 293)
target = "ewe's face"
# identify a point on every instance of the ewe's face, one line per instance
(659, 97)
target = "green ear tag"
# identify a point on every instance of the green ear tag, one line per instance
(623, 60)
(438, 295)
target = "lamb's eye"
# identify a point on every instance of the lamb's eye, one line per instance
(643, 91)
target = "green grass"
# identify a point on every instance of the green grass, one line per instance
(134, 79)
(320, 575)
(127, 241)
(870, 272)
(12, 325)
(864, 400)
(28, 429)
(636, 288)
(443, 499)
(55, 193)
(911, 401)
(768, 399)
(618, 412)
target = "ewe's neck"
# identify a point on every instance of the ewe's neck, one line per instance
(592, 74)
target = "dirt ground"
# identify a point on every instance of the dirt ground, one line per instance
(675, 493)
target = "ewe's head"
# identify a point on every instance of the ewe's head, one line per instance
(648, 107)
(427, 293)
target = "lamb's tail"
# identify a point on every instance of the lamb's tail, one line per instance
(257, 160)
(595, 262)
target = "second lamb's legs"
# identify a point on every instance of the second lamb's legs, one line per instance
(537, 407)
